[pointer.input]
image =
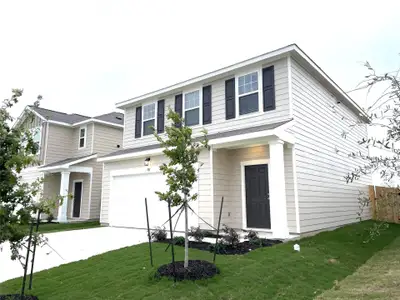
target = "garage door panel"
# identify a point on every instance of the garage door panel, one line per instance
(127, 205)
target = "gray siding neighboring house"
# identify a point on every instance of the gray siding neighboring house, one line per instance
(282, 120)
(69, 146)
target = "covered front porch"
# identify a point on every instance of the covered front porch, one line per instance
(255, 174)
(74, 184)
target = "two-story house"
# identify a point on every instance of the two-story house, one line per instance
(278, 158)
(69, 146)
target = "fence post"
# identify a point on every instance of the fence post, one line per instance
(372, 198)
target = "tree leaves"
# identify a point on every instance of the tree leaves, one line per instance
(183, 152)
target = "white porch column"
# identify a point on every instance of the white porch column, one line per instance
(64, 187)
(277, 192)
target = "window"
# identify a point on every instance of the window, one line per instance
(149, 118)
(248, 93)
(192, 108)
(82, 137)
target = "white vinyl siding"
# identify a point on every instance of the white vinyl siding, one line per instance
(227, 183)
(325, 199)
(204, 201)
(61, 140)
(219, 122)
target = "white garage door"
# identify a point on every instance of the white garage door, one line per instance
(127, 203)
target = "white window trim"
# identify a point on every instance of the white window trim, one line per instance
(260, 98)
(73, 193)
(155, 117)
(200, 89)
(32, 130)
(84, 137)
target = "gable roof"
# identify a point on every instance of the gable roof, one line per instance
(291, 50)
(214, 136)
(111, 119)
(65, 163)
(58, 116)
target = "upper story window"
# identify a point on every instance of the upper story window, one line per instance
(149, 118)
(248, 93)
(192, 108)
(82, 137)
(36, 136)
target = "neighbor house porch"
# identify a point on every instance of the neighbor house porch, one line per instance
(255, 173)
(74, 184)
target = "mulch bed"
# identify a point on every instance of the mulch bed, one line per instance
(241, 248)
(197, 269)
(18, 297)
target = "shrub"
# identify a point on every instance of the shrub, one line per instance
(231, 237)
(50, 218)
(197, 233)
(159, 234)
(179, 240)
(220, 248)
(253, 237)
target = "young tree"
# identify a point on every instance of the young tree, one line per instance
(18, 200)
(183, 152)
(384, 112)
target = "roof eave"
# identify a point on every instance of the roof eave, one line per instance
(275, 54)
(292, 49)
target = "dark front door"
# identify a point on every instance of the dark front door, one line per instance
(257, 197)
(77, 199)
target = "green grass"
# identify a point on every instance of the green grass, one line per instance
(378, 278)
(54, 227)
(269, 273)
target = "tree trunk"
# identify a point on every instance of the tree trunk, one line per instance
(186, 263)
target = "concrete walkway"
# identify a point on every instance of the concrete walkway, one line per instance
(71, 246)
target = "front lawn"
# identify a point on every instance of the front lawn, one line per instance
(378, 279)
(267, 273)
(54, 227)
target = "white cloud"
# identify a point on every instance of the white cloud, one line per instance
(83, 56)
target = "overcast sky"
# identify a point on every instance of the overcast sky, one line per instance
(83, 56)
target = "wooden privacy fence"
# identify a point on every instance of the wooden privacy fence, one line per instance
(385, 203)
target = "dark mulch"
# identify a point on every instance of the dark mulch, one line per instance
(18, 297)
(197, 269)
(241, 248)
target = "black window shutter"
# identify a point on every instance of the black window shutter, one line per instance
(269, 88)
(207, 104)
(160, 116)
(230, 99)
(138, 122)
(178, 107)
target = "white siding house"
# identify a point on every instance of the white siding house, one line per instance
(277, 154)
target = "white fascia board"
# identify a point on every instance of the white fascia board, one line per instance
(67, 165)
(36, 113)
(276, 54)
(22, 116)
(97, 121)
(59, 123)
(273, 54)
(277, 132)
(131, 155)
(321, 73)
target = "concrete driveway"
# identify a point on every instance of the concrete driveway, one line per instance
(72, 246)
